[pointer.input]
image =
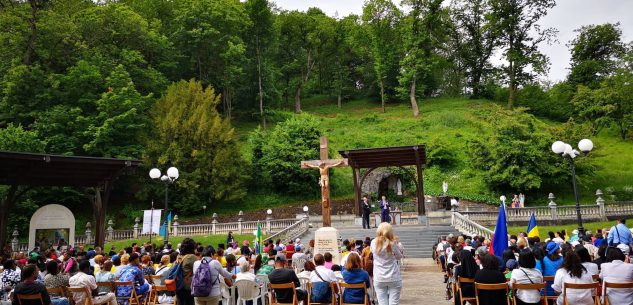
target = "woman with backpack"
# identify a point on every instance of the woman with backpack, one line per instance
(205, 285)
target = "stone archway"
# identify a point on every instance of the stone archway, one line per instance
(51, 225)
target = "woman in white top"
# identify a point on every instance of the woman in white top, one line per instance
(387, 279)
(615, 270)
(527, 274)
(572, 271)
(585, 258)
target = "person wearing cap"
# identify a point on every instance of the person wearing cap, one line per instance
(283, 275)
(299, 254)
(84, 279)
(574, 236)
(550, 263)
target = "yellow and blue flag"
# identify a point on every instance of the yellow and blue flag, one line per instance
(166, 225)
(532, 229)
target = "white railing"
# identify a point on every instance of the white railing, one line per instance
(467, 226)
(293, 231)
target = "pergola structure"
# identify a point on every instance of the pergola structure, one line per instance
(373, 158)
(23, 171)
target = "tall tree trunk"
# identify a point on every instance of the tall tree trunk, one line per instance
(259, 80)
(339, 100)
(7, 206)
(30, 50)
(414, 103)
(298, 99)
(513, 86)
(382, 95)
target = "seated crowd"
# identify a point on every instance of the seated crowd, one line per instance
(193, 273)
(578, 269)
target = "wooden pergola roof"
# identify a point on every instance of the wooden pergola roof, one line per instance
(386, 156)
(18, 168)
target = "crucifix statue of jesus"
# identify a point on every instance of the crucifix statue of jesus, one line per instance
(324, 166)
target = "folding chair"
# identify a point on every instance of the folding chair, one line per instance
(492, 287)
(309, 287)
(549, 280)
(74, 292)
(30, 297)
(606, 285)
(593, 286)
(460, 281)
(272, 298)
(540, 287)
(247, 290)
(59, 291)
(157, 290)
(595, 277)
(104, 285)
(345, 286)
(132, 299)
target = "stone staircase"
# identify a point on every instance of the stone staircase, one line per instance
(417, 240)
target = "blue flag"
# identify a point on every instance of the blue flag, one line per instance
(500, 240)
(165, 225)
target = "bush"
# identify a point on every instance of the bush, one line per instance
(277, 155)
(554, 106)
(441, 154)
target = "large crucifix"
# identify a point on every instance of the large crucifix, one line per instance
(324, 166)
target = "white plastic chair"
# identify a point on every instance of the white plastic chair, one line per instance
(230, 298)
(298, 265)
(304, 280)
(263, 279)
(247, 290)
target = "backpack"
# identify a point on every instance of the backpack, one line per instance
(201, 284)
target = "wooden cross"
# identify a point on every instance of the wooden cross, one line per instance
(324, 166)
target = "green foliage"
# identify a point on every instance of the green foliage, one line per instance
(15, 138)
(440, 153)
(517, 155)
(190, 134)
(277, 155)
(542, 103)
(594, 53)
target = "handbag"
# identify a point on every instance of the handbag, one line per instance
(321, 291)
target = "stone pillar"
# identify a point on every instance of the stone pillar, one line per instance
(136, 227)
(239, 222)
(269, 217)
(552, 206)
(15, 242)
(600, 203)
(174, 226)
(214, 222)
(88, 233)
(110, 230)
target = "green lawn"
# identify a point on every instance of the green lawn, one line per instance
(455, 121)
(204, 240)
(591, 226)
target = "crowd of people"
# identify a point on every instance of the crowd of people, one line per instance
(603, 257)
(193, 273)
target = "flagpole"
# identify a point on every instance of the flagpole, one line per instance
(151, 223)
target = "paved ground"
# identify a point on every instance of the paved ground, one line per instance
(422, 283)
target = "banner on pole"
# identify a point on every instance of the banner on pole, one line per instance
(151, 223)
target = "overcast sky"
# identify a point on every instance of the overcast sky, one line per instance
(566, 16)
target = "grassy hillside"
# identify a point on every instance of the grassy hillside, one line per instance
(361, 124)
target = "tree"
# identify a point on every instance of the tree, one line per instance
(520, 36)
(594, 54)
(261, 37)
(589, 105)
(517, 155)
(382, 18)
(15, 138)
(121, 119)
(477, 38)
(426, 31)
(278, 153)
(190, 134)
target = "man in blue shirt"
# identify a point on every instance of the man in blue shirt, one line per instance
(620, 236)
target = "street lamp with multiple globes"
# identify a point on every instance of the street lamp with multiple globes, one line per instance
(171, 177)
(568, 152)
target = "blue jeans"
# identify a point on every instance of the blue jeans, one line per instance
(60, 301)
(388, 293)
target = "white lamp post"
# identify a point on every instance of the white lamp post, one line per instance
(568, 152)
(171, 177)
(269, 214)
(305, 211)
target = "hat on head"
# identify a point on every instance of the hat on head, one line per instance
(297, 240)
(280, 257)
(512, 264)
(575, 232)
(552, 247)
